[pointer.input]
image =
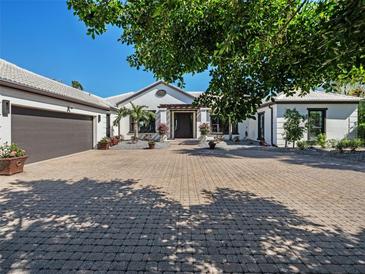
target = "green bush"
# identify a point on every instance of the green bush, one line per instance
(347, 143)
(302, 145)
(361, 131)
(321, 140)
(355, 143)
(311, 143)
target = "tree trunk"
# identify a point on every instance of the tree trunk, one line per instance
(293, 144)
(136, 130)
(230, 129)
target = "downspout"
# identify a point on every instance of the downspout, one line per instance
(272, 124)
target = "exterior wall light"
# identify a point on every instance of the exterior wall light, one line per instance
(5, 108)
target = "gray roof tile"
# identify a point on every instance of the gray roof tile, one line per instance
(13, 74)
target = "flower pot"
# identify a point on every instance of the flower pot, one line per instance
(9, 166)
(103, 146)
(114, 141)
(212, 145)
(151, 146)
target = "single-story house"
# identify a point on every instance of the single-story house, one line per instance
(172, 105)
(332, 114)
(50, 119)
(47, 118)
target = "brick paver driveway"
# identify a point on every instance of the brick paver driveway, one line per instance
(184, 209)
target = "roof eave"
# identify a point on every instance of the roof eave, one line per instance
(151, 86)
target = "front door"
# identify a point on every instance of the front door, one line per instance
(183, 125)
(261, 126)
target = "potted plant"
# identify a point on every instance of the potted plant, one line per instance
(212, 144)
(104, 143)
(12, 159)
(114, 140)
(162, 131)
(151, 144)
(204, 129)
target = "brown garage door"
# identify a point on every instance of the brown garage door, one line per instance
(47, 134)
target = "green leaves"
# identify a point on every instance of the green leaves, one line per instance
(254, 49)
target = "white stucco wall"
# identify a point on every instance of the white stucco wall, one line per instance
(251, 125)
(341, 119)
(26, 99)
(152, 101)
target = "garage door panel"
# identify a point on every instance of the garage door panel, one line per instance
(45, 134)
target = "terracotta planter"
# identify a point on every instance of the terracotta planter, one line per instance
(103, 146)
(9, 166)
(151, 146)
(114, 141)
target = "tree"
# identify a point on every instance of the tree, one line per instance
(77, 84)
(293, 128)
(253, 49)
(137, 114)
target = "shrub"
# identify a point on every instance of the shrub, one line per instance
(11, 151)
(355, 143)
(344, 143)
(321, 140)
(332, 143)
(204, 128)
(311, 143)
(105, 140)
(293, 130)
(162, 129)
(302, 145)
(361, 131)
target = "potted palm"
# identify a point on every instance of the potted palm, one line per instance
(12, 159)
(137, 114)
(162, 131)
(104, 143)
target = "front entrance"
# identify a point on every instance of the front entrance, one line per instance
(183, 125)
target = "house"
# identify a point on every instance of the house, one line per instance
(172, 105)
(50, 119)
(47, 118)
(332, 114)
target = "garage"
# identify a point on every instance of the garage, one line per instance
(47, 134)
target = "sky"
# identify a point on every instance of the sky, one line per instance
(45, 37)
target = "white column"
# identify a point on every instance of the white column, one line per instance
(5, 125)
(204, 115)
(163, 116)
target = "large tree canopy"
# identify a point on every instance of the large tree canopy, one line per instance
(253, 49)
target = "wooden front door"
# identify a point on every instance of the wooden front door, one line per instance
(183, 125)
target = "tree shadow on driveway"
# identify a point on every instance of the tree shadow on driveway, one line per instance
(88, 225)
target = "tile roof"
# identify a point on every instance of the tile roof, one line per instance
(117, 99)
(12, 74)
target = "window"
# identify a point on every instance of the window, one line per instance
(218, 126)
(144, 127)
(316, 123)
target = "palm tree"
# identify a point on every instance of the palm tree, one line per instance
(137, 114)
